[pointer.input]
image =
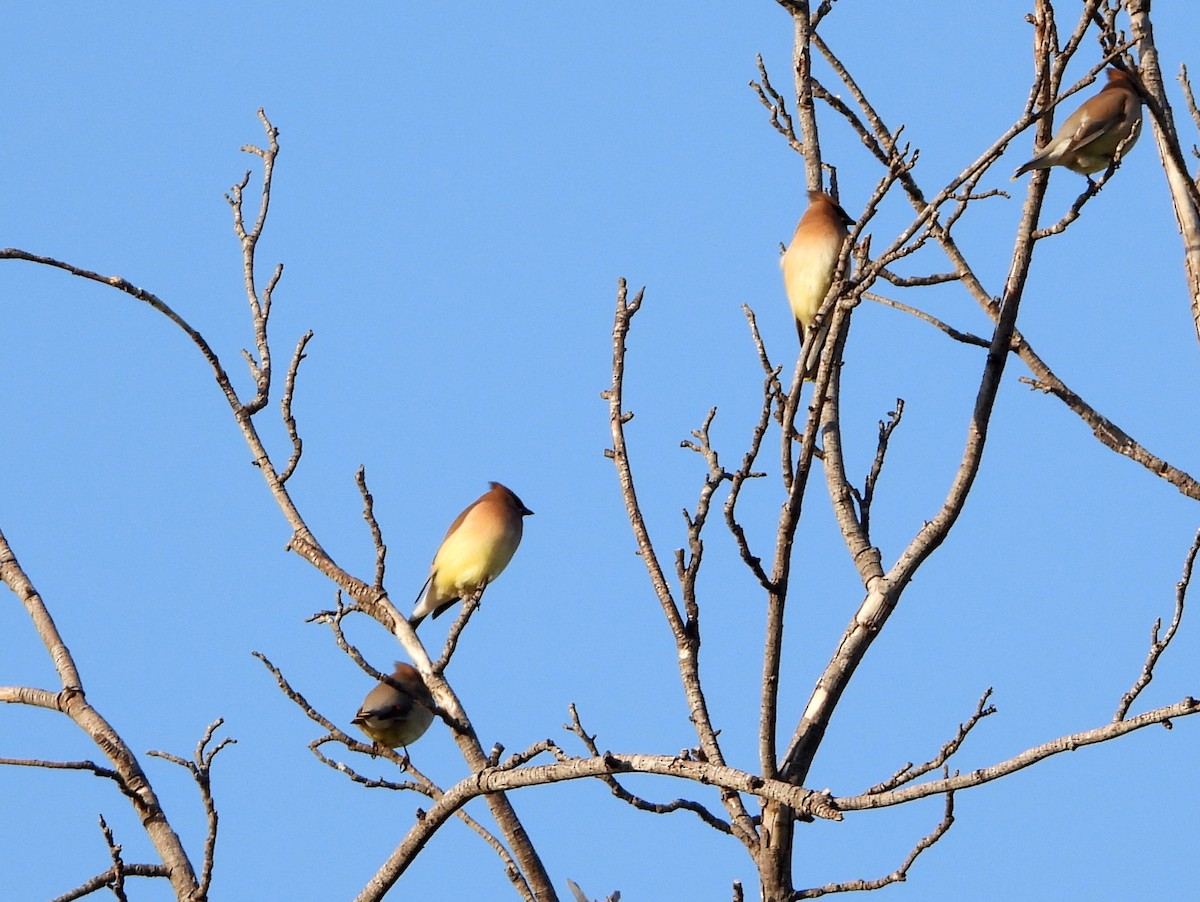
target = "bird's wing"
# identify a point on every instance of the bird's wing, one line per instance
(401, 706)
(1096, 121)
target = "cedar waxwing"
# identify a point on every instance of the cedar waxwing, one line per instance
(1088, 140)
(397, 717)
(476, 549)
(809, 262)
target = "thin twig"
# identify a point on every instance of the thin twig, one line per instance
(289, 421)
(687, 639)
(469, 606)
(723, 826)
(200, 767)
(937, 278)
(1073, 742)
(897, 876)
(104, 880)
(964, 337)
(1157, 645)
(776, 106)
(1188, 96)
(360, 479)
(689, 571)
(420, 783)
(886, 428)
(908, 773)
(1108, 432)
(89, 766)
(772, 399)
(117, 886)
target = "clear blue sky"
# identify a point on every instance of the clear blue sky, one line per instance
(459, 189)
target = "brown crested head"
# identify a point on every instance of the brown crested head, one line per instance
(510, 499)
(1119, 78)
(820, 197)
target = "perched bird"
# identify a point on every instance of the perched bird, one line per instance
(808, 265)
(476, 549)
(1088, 140)
(394, 716)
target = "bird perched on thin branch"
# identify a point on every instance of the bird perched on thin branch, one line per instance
(476, 549)
(1088, 140)
(398, 715)
(808, 265)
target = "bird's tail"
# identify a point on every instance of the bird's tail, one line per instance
(1036, 163)
(811, 352)
(423, 604)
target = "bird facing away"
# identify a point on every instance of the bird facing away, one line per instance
(809, 262)
(397, 717)
(1088, 140)
(476, 549)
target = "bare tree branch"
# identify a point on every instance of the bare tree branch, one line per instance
(638, 802)
(964, 337)
(908, 773)
(897, 876)
(1185, 194)
(1074, 741)
(200, 767)
(71, 701)
(867, 495)
(1108, 432)
(289, 421)
(372, 600)
(1159, 645)
(360, 479)
(772, 400)
(106, 879)
(776, 106)
(687, 639)
(419, 782)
